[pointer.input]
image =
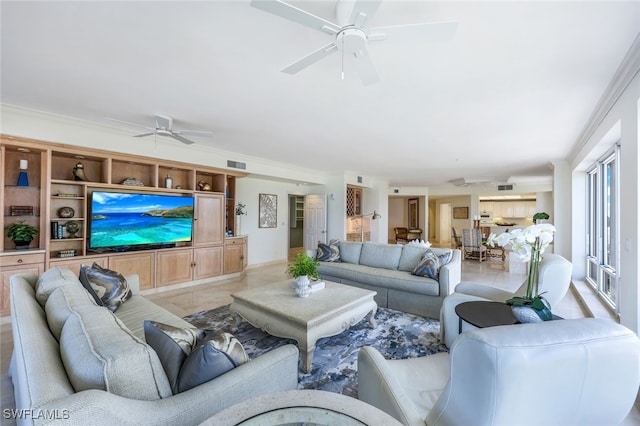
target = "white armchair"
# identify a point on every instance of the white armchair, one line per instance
(554, 281)
(578, 372)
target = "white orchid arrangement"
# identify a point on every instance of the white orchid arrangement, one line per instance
(527, 244)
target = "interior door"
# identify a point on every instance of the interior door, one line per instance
(315, 220)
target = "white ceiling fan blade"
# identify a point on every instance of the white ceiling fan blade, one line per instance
(365, 67)
(294, 14)
(144, 134)
(363, 11)
(181, 139)
(310, 59)
(193, 133)
(433, 31)
(130, 124)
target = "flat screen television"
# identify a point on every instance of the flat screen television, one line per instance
(127, 220)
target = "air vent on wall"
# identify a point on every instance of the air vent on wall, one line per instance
(505, 187)
(359, 179)
(236, 164)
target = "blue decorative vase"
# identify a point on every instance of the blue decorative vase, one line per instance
(23, 179)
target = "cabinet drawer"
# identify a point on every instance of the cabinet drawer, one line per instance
(234, 241)
(21, 259)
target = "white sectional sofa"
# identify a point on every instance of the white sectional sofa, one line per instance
(386, 269)
(75, 362)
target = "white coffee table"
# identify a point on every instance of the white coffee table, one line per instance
(276, 309)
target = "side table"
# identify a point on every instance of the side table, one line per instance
(302, 407)
(484, 314)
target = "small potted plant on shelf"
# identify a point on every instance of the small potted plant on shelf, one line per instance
(21, 234)
(303, 269)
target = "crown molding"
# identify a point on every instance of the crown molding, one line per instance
(628, 70)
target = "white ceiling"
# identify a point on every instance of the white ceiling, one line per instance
(512, 91)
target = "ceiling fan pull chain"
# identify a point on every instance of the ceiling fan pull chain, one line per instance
(342, 70)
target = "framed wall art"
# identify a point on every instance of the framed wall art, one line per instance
(461, 212)
(267, 211)
(414, 213)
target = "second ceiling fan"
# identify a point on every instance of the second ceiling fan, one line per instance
(351, 33)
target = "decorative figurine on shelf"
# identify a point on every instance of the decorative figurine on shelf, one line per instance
(23, 179)
(72, 228)
(204, 186)
(78, 173)
(131, 181)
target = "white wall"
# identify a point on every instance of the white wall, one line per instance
(618, 122)
(266, 245)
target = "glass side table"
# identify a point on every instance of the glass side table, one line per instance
(307, 407)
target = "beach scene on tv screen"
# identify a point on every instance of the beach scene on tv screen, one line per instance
(124, 219)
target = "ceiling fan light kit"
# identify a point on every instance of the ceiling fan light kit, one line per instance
(351, 33)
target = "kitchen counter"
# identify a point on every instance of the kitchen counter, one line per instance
(500, 229)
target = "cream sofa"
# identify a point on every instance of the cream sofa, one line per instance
(68, 350)
(386, 269)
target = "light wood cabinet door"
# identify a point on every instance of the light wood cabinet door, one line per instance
(208, 262)
(141, 263)
(174, 266)
(5, 274)
(235, 254)
(208, 220)
(232, 259)
(74, 263)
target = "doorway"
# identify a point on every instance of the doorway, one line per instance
(445, 224)
(296, 225)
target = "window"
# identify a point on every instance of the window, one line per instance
(602, 226)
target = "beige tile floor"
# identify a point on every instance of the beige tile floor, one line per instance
(188, 300)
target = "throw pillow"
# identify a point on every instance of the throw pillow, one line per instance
(191, 356)
(205, 363)
(328, 252)
(429, 266)
(173, 345)
(108, 288)
(445, 256)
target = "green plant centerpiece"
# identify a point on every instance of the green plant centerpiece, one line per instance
(21, 234)
(303, 269)
(528, 245)
(304, 265)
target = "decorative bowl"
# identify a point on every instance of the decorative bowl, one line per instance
(66, 212)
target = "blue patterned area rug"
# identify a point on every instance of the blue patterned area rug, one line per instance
(397, 336)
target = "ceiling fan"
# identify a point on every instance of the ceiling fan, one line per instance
(351, 34)
(164, 127)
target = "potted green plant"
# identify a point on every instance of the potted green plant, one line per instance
(302, 269)
(21, 234)
(540, 216)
